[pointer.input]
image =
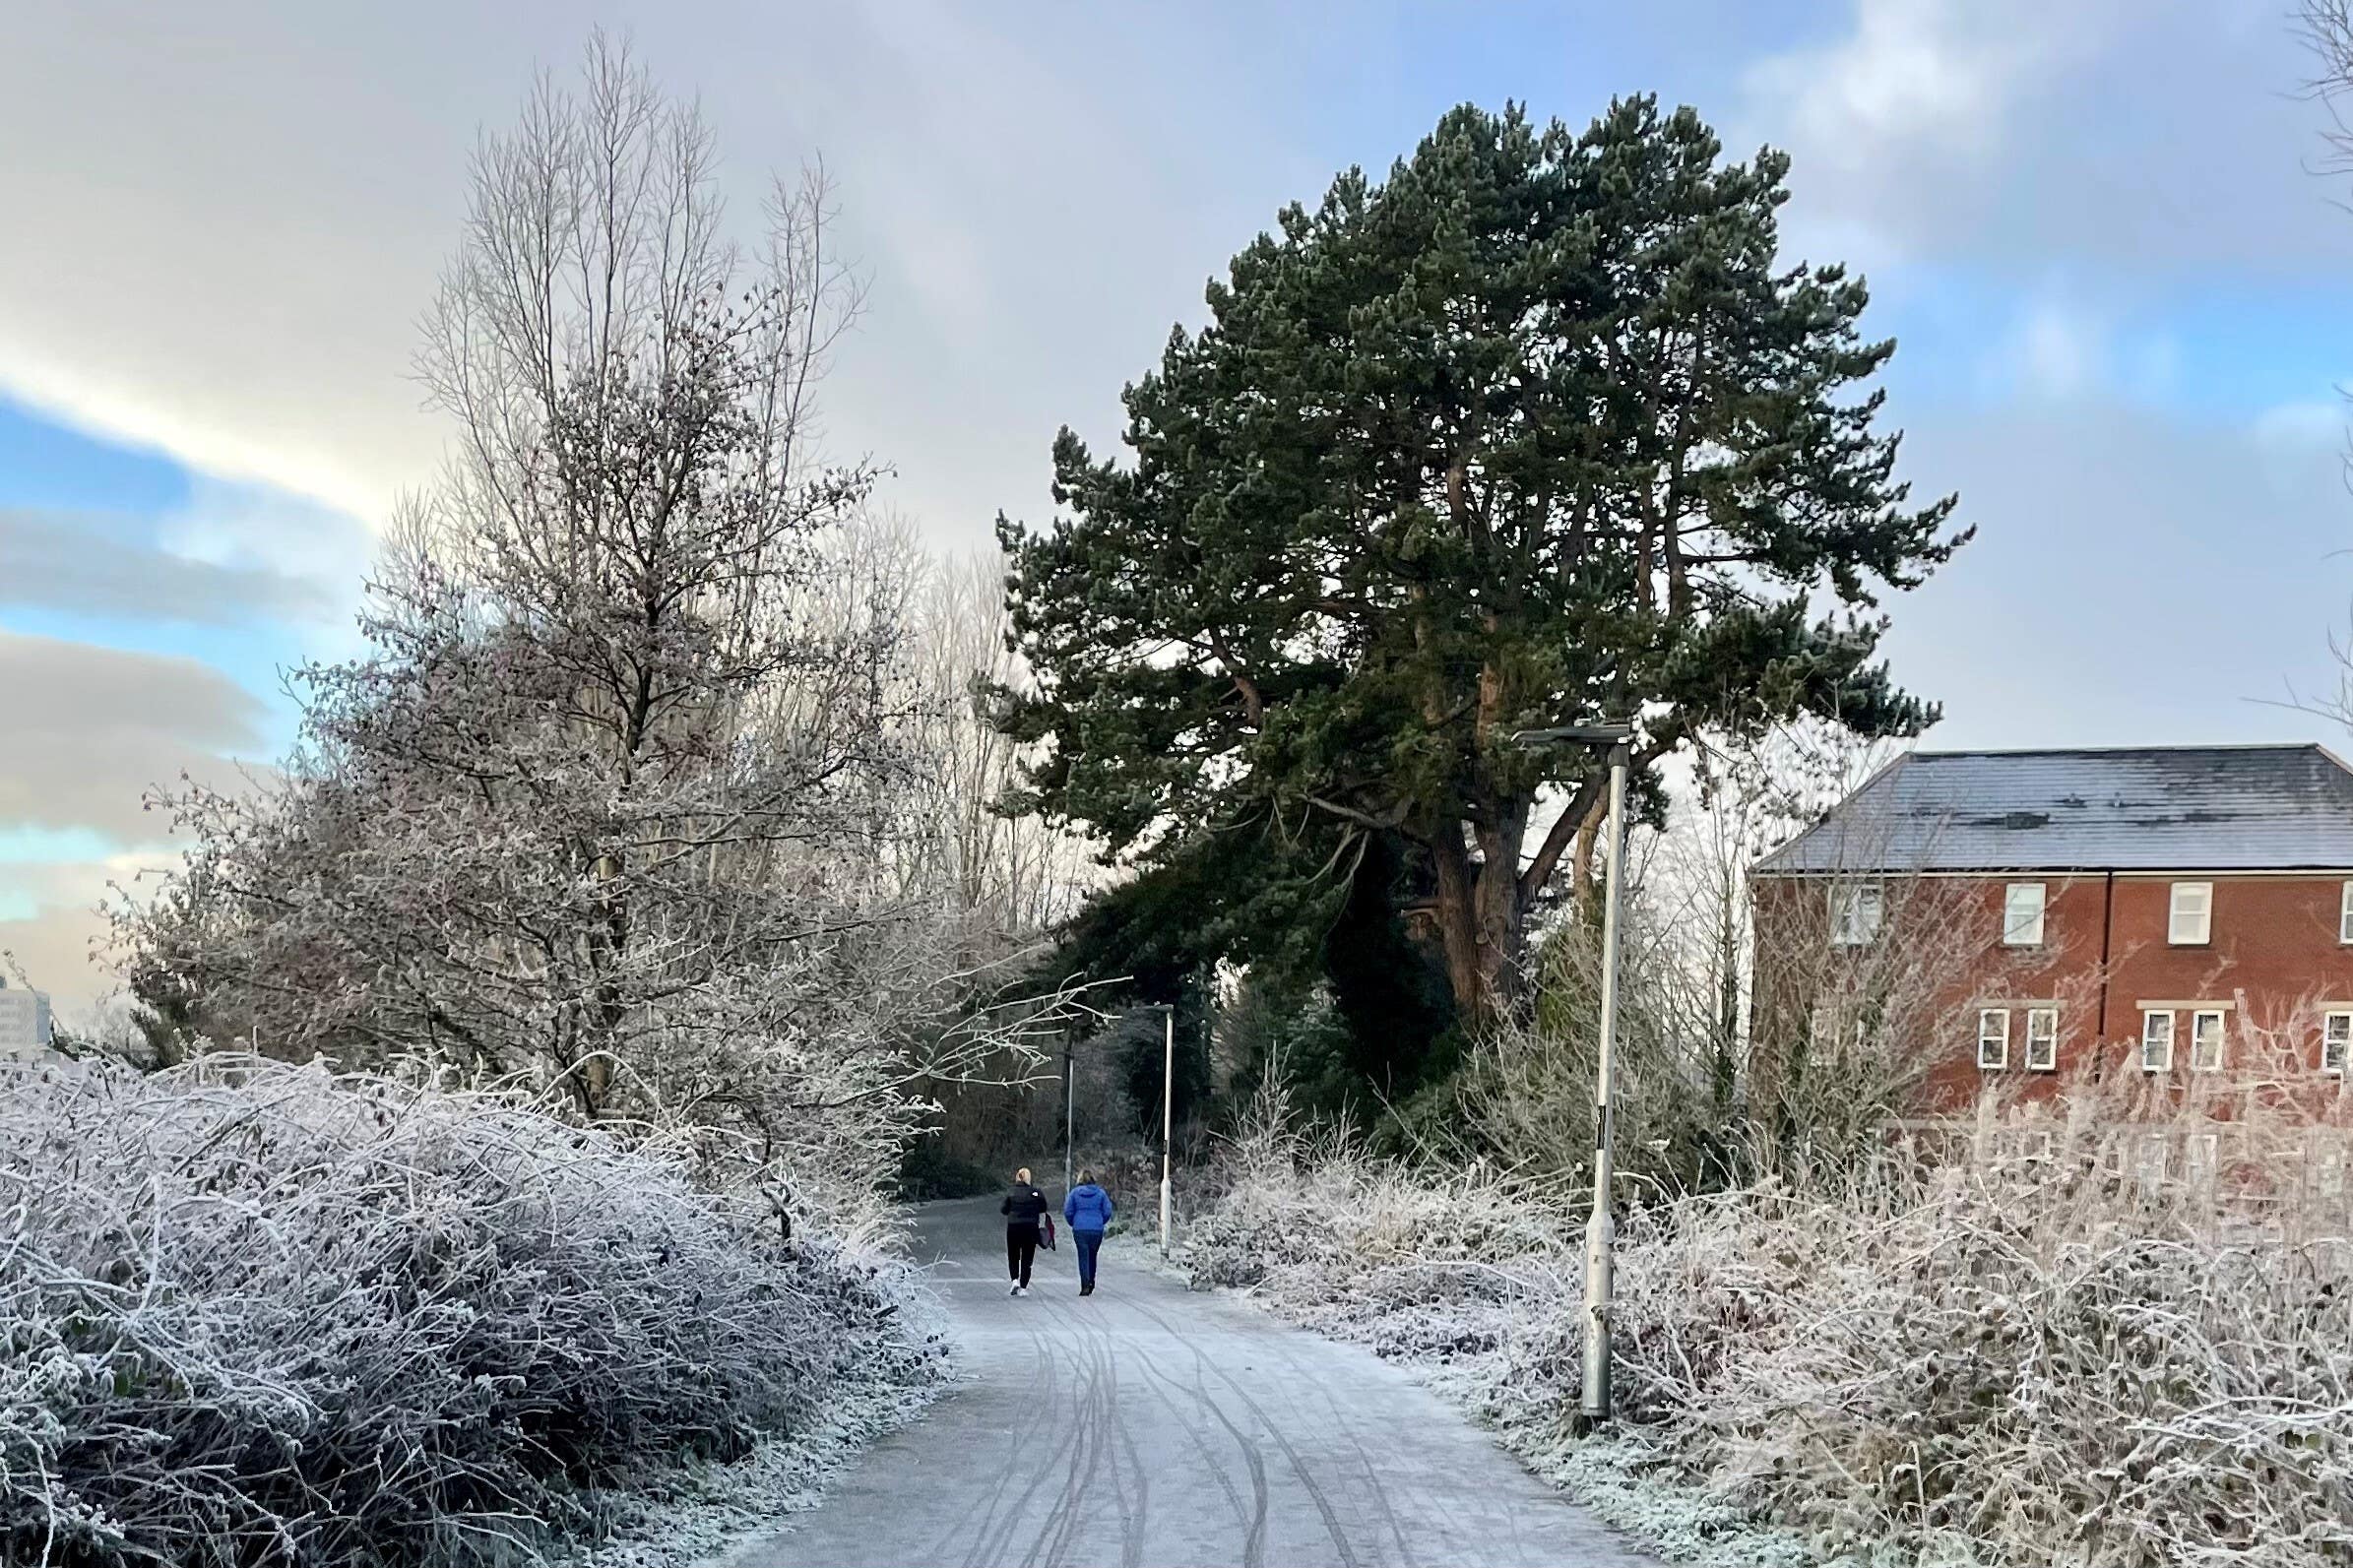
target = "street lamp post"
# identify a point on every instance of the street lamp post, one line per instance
(1601, 1231)
(1069, 1115)
(1168, 1120)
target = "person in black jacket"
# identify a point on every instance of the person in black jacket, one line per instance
(1022, 1208)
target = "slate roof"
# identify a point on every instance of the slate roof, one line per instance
(2180, 808)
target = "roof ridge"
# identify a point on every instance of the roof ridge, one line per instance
(2110, 751)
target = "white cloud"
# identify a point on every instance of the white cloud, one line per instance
(1912, 102)
(87, 732)
(2164, 139)
(91, 729)
(102, 565)
(2303, 425)
(243, 211)
(50, 925)
(2056, 353)
(229, 251)
(1912, 74)
(2064, 346)
(266, 433)
(253, 528)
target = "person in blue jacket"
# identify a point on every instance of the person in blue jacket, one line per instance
(1089, 1211)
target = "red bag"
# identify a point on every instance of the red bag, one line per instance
(1046, 1224)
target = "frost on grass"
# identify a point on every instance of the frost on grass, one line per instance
(2107, 1334)
(258, 1313)
(701, 1514)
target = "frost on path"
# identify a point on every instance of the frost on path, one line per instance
(1152, 1426)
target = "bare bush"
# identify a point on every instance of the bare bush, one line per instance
(1523, 1100)
(252, 1313)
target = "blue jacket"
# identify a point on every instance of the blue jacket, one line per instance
(1088, 1207)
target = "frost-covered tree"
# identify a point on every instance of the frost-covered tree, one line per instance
(1010, 877)
(609, 802)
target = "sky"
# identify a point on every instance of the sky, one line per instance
(2101, 231)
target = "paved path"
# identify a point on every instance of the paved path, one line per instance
(1150, 1425)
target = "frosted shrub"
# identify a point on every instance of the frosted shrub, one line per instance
(2118, 1337)
(252, 1313)
(2001, 1355)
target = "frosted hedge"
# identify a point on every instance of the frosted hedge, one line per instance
(252, 1313)
(2062, 1347)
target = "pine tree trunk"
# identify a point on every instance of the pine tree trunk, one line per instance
(1479, 918)
(1458, 928)
(1581, 877)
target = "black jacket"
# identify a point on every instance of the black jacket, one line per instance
(1025, 1205)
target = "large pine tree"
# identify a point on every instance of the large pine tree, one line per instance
(1540, 430)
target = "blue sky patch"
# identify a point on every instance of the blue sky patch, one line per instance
(46, 463)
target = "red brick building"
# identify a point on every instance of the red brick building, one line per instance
(2016, 914)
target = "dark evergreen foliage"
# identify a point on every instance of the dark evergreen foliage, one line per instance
(1539, 430)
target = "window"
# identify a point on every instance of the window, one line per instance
(2205, 1041)
(2344, 913)
(1855, 915)
(2042, 1039)
(2192, 919)
(2329, 1173)
(2206, 1153)
(2022, 916)
(2156, 1043)
(1837, 1024)
(2336, 1042)
(1993, 1039)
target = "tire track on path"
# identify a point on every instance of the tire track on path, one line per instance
(1150, 1427)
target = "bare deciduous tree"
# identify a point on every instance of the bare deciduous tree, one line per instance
(614, 801)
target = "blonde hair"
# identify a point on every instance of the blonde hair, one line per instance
(1086, 1178)
(1023, 1174)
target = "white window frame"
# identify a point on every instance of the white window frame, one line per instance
(2339, 1022)
(2045, 1059)
(2197, 1038)
(1848, 902)
(2201, 894)
(2344, 914)
(1997, 1060)
(2151, 1035)
(2016, 932)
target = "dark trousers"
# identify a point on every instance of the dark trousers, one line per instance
(1021, 1250)
(1089, 1242)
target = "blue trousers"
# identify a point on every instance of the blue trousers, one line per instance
(1089, 1242)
